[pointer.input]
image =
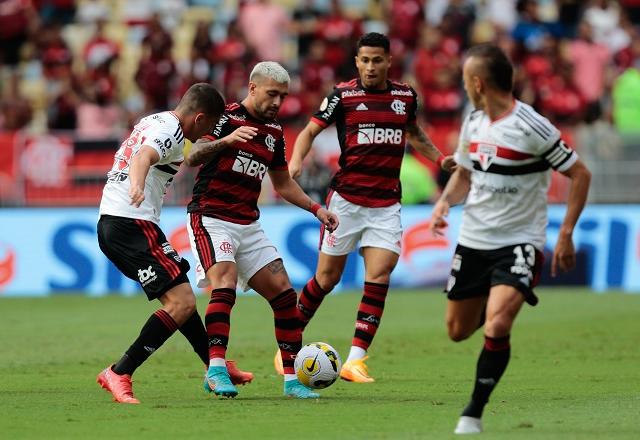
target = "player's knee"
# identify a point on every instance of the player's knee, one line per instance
(328, 279)
(498, 326)
(457, 332)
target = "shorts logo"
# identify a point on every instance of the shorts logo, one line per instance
(226, 247)
(457, 263)
(270, 142)
(451, 282)
(249, 167)
(146, 276)
(331, 240)
(486, 154)
(379, 136)
(398, 107)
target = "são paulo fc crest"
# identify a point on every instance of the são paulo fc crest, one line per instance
(486, 154)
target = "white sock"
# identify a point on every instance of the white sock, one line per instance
(356, 353)
(288, 377)
(217, 362)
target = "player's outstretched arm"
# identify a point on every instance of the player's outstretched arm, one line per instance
(138, 170)
(206, 149)
(564, 254)
(302, 146)
(455, 192)
(292, 193)
(423, 145)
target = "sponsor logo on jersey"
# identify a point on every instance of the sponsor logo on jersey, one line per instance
(330, 107)
(380, 136)
(495, 189)
(249, 167)
(270, 142)
(399, 107)
(146, 276)
(486, 154)
(348, 93)
(237, 117)
(274, 125)
(362, 107)
(401, 93)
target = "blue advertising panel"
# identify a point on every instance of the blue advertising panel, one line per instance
(47, 251)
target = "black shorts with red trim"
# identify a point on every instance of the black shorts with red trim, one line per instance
(474, 272)
(140, 250)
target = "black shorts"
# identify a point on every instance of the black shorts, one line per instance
(140, 250)
(474, 272)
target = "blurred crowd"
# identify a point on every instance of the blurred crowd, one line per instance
(96, 66)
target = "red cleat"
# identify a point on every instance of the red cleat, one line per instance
(238, 377)
(118, 385)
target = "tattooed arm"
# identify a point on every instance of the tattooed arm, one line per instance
(205, 149)
(421, 142)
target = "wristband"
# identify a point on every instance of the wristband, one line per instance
(315, 208)
(439, 160)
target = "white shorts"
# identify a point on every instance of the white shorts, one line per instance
(213, 240)
(373, 227)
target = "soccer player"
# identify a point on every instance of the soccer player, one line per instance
(374, 118)
(227, 240)
(505, 156)
(129, 235)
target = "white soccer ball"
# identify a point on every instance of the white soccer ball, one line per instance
(317, 365)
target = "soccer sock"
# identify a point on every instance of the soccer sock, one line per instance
(310, 299)
(492, 362)
(288, 331)
(158, 328)
(217, 321)
(356, 353)
(369, 314)
(193, 329)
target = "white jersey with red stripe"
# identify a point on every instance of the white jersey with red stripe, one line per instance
(510, 160)
(163, 133)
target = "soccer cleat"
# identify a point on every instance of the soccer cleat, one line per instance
(237, 376)
(217, 381)
(356, 370)
(468, 425)
(293, 388)
(277, 363)
(118, 385)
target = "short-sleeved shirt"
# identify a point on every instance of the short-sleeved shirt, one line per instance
(510, 160)
(371, 126)
(163, 133)
(228, 187)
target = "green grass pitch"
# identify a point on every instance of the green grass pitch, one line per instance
(574, 373)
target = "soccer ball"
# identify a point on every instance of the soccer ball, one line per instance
(317, 365)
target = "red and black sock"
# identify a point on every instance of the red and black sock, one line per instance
(288, 331)
(217, 321)
(310, 299)
(158, 328)
(193, 329)
(369, 314)
(492, 362)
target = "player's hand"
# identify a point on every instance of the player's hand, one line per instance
(438, 218)
(242, 134)
(564, 255)
(449, 164)
(136, 195)
(328, 219)
(295, 168)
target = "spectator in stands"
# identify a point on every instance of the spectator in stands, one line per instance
(432, 55)
(626, 94)
(604, 16)
(590, 61)
(529, 32)
(265, 25)
(15, 110)
(198, 67)
(340, 33)
(99, 50)
(404, 19)
(91, 11)
(233, 58)
(56, 11)
(559, 100)
(17, 19)
(305, 25)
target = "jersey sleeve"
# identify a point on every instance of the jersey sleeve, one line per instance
(461, 156)
(330, 109)
(162, 140)
(413, 107)
(223, 128)
(551, 146)
(279, 161)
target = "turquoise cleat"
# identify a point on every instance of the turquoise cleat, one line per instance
(293, 388)
(217, 381)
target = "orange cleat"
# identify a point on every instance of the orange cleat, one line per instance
(118, 385)
(356, 371)
(277, 363)
(238, 377)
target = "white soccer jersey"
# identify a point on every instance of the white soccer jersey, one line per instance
(162, 132)
(510, 160)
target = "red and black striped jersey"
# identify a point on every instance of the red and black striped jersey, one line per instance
(371, 127)
(229, 185)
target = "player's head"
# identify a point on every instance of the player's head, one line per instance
(373, 60)
(199, 110)
(486, 71)
(268, 86)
